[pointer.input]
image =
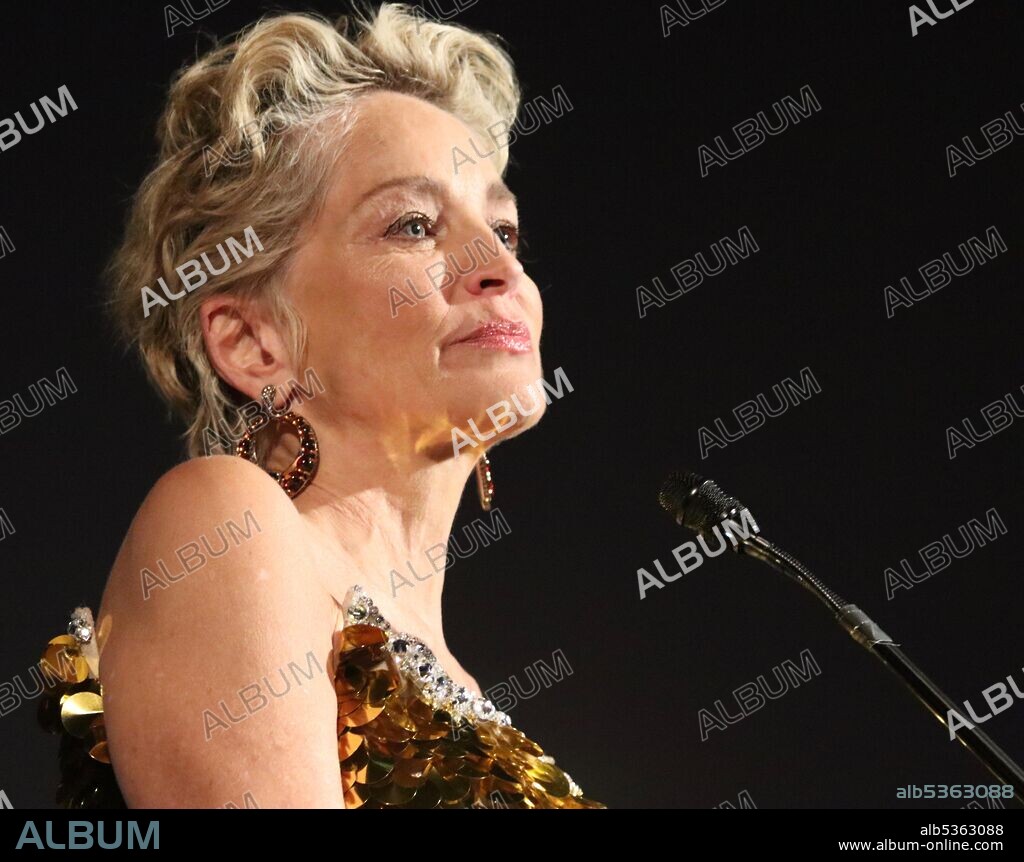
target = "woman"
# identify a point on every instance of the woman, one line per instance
(327, 206)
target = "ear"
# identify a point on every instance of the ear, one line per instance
(245, 346)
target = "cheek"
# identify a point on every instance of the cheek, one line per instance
(360, 302)
(412, 303)
(336, 305)
(533, 306)
(382, 322)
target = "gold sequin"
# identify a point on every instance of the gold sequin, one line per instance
(415, 756)
(78, 711)
(62, 660)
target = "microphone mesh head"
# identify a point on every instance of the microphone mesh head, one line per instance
(676, 488)
(695, 502)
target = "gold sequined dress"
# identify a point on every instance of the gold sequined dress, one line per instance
(408, 736)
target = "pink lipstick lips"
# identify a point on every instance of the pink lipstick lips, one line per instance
(500, 335)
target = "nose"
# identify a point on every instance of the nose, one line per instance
(487, 266)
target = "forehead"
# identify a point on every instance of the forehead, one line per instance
(394, 134)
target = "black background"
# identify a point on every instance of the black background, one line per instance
(611, 196)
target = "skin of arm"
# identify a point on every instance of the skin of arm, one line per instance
(187, 672)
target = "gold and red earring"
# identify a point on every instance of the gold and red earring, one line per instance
(484, 482)
(297, 477)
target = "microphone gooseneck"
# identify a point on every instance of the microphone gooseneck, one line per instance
(700, 505)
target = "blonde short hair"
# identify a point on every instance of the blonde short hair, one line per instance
(243, 144)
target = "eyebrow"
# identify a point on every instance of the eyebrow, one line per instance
(496, 191)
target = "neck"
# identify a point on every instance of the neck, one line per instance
(388, 511)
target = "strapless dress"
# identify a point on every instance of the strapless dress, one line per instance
(408, 736)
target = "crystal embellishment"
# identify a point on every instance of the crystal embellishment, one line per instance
(417, 660)
(79, 629)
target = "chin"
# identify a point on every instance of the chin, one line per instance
(503, 405)
(493, 378)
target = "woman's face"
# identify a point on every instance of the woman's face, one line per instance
(420, 316)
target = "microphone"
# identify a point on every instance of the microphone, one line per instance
(700, 505)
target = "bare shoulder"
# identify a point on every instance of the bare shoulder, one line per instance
(211, 485)
(214, 592)
(179, 525)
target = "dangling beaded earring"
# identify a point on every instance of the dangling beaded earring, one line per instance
(484, 483)
(295, 479)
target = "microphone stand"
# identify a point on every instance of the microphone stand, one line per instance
(865, 632)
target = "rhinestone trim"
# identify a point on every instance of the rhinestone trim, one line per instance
(419, 662)
(79, 629)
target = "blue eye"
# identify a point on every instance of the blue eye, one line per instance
(410, 220)
(508, 233)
